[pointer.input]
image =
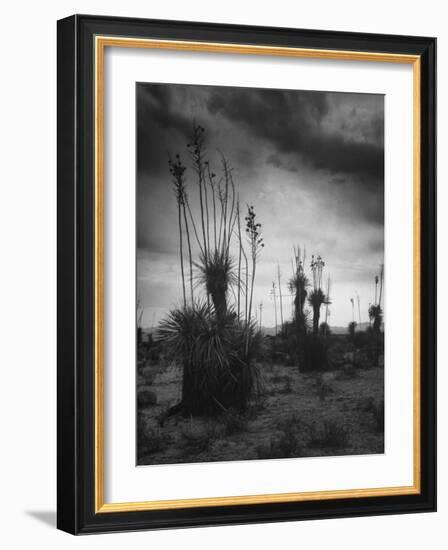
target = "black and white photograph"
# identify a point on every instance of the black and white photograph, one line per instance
(260, 299)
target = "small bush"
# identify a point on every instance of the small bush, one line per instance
(314, 353)
(323, 388)
(376, 408)
(287, 388)
(348, 372)
(284, 446)
(361, 339)
(286, 443)
(149, 440)
(146, 396)
(199, 437)
(330, 435)
(233, 422)
(278, 378)
(378, 416)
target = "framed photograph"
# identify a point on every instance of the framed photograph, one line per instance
(246, 274)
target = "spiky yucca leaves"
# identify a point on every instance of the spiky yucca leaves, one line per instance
(376, 315)
(316, 299)
(217, 373)
(217, 276)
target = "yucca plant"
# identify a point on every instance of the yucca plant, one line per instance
(376, 315)
(217, 276)
(215, 344)
(316, 300)
(298, 285)
(217, 373)
(311, 349)
(317, 297)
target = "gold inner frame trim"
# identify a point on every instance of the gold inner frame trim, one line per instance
(101, 42)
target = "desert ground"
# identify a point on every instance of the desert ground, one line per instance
(338, 411)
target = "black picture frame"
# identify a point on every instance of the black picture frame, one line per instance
(76, 255)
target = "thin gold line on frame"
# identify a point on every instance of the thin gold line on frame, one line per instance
(417, 271)
(255, 499)
(99, 277)
(101, 42)
(250, 49)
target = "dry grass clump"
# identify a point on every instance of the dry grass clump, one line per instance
(374, 407)
(199, 437)
(234, 422)
(150, 440)
(330, 434)
(323, 388)
(287, 443)
(347, 372)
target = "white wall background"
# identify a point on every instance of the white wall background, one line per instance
(28, 272)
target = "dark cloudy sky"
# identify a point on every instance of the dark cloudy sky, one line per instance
(311, 163)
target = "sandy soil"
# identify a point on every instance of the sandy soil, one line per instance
(333, 413)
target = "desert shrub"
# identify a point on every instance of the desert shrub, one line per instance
(314, 353)
(378, 416)
(146, 397)
(375, 347)
(348, 372)
(287, 387)
(149, 440)
(234, 422)
(272, 384)
(361, 339)
(375, 407)
(330, 434)
(337, 347)
(279, 378)
(323, 388)
(352, 331)
(198, 437)
(286, 445)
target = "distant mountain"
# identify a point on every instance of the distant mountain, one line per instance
(270, 331)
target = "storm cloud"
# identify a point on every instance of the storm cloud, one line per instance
(311, 162)
(302, 123)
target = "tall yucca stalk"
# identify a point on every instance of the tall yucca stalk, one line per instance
(197, 155)
(253, 233)
(240, 254)
(177, 170)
